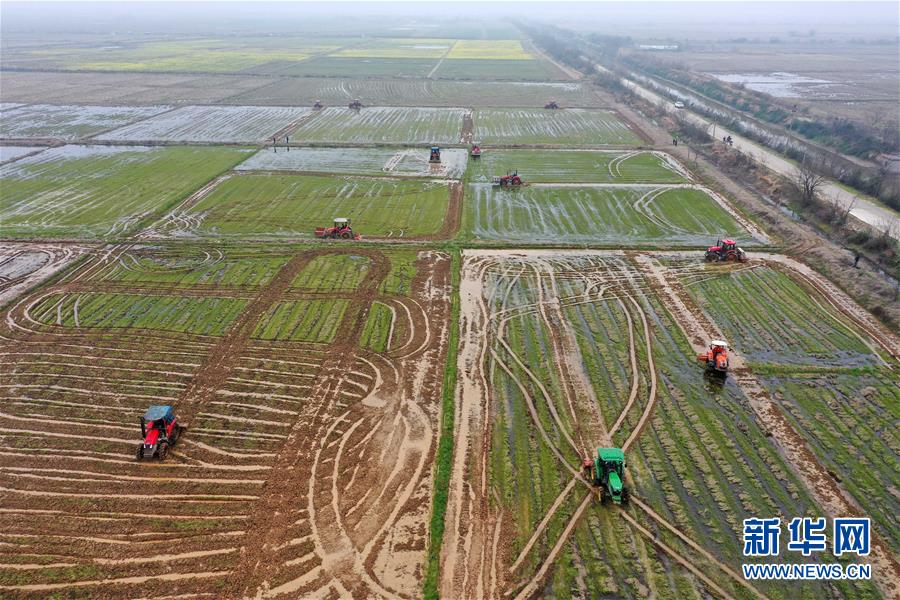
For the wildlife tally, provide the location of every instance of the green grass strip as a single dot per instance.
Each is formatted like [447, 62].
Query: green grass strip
[444, 461]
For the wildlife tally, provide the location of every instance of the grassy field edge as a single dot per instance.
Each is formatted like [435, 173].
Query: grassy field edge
[444, 458]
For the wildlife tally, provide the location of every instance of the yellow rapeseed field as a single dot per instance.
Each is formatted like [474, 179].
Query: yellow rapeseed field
[490, 49]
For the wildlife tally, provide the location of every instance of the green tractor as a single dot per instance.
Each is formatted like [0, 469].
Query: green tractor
[607, 472]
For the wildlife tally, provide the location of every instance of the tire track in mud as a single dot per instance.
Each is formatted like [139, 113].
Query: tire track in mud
[371, 451]
[276, 511]
[223, 357]
[827, 493]
[532, 586]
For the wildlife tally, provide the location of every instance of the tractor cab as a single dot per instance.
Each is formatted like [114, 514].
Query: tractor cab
[159, 430]
[435, 156]
[609, 474]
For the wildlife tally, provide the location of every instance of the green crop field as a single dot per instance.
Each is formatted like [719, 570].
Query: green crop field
[302, 321]
[833, 387]
[578, 166]
[377, 330]
[101, 191]
[203, 316]
[557, 127]
[292, 206]
[213, 55]
[392, 125]
[333, 273]
[607, 215]
[201, 268]
[791, 327]
[697, 444]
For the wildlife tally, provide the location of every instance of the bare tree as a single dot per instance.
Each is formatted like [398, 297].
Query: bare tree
[839, 212]
[808, 182]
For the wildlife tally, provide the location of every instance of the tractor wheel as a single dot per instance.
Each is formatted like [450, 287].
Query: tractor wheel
[624, 496]
[731, 257]
[710, 257]
[163, 451]
[140, 452]
[346, 235]
[176, 432]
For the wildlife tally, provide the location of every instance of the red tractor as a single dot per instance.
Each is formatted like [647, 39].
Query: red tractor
[160, 429]
[726, 250]
[552, 105]
[435, 156]
[340, 230]
[475, 152]
[508, 180]
[716, 357]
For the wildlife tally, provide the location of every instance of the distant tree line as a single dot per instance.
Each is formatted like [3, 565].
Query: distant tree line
[867, 141]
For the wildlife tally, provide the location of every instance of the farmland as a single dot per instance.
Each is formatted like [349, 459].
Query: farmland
[406, 414]
[554, 343]
[331, 86]
[198, 55]
[396, 162]
[558, 127]
[12, 152]
[242, 372]
[599, 214]
[70, 122]
[292, 206]
[830, 380]
[99, 191]
[384, 125]
[581, 166]
[211, 124]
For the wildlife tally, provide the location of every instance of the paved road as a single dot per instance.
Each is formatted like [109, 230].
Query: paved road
[865, 209]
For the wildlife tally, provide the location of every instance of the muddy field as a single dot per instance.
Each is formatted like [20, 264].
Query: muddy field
[395, 162]
[308, 464]
[405, 415]
[563, 352]
[251, 124]
[391, 125]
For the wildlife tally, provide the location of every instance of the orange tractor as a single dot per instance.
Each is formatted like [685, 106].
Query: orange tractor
[725, 250]
[716, 357]
[340, 230]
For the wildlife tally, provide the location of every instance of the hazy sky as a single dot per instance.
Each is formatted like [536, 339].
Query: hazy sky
[766, 18]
